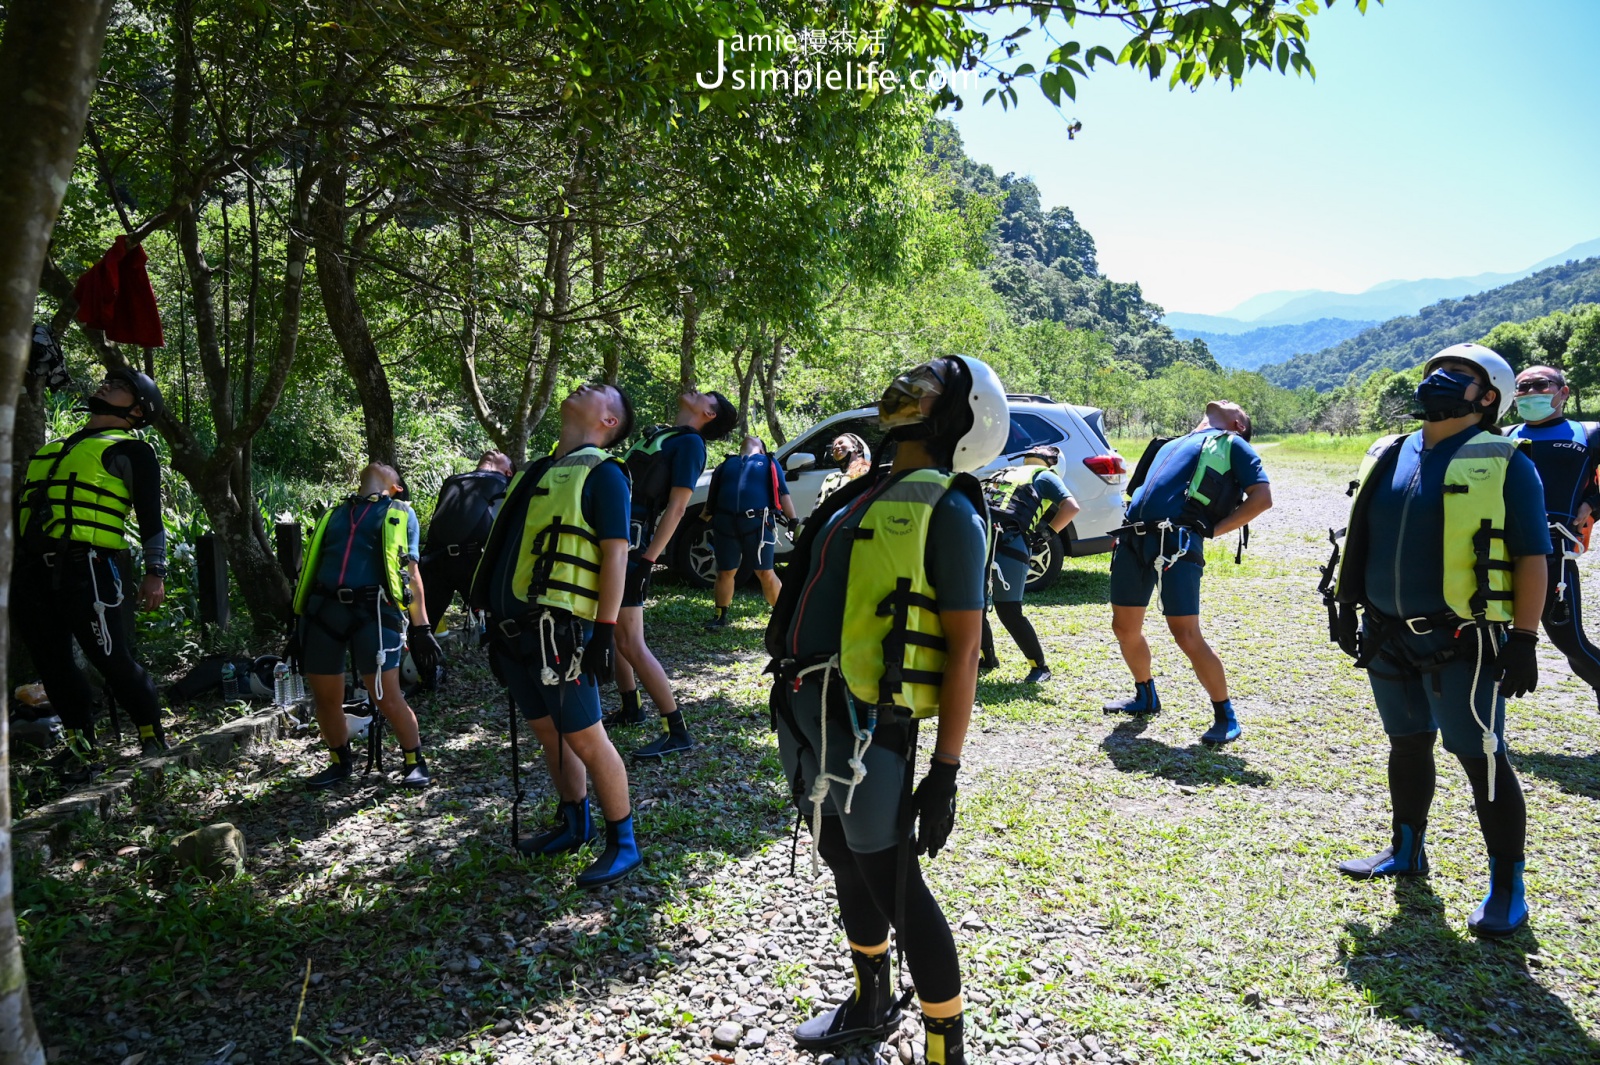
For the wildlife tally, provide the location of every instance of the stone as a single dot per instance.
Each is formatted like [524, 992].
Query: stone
[216, 852]
[727, 1034]
[1414, 1012]
[754, 1039]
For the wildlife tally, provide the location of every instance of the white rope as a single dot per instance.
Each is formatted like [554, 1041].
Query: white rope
[1491, 743]
[383, 652]
[575, 670]
[547, 676]
[102, 630]
[1567, 555]
[858, 769]
[1164, 560]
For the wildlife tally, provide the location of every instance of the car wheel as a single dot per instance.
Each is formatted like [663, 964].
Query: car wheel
[696, 560]
[1045, 552]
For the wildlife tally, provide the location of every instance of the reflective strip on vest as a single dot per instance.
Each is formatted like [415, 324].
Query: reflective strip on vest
[396, 546]
[892, 644]
[558, 556]
[1476, 564]
[70, 495]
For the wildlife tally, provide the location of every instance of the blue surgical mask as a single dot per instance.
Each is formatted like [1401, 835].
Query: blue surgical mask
[1536, 406]
[1443, 394]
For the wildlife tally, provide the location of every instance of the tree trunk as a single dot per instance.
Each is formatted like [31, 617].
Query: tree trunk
[559, 270]
[769, 389]
[49, 57]
[691, 329]
[746, 378]
[611, 342]
[336, 277]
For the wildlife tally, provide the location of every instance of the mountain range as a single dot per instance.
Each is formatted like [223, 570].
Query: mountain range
[1277, 326]
[1403, 342]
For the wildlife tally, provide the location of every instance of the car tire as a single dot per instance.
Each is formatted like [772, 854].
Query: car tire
[693, 558]
[1044, 565]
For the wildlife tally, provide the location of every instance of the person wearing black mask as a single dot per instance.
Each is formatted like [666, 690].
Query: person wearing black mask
[1437, 595]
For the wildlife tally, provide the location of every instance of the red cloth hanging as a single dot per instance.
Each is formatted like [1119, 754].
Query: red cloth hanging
[115, 296]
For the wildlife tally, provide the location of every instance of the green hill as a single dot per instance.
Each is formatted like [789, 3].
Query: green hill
[1401, 343]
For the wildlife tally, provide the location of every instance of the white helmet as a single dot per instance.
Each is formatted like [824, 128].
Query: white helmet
[980, 440]
[1501, 377]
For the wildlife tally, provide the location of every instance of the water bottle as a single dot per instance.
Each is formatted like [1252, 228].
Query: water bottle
[230, 684]
[280, 684]
[297, 687]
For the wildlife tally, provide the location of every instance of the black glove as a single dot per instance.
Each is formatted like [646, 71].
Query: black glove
[598, 652]
[292, 650]
[935, 804]
[636, 578]
[424, 651]
[1518, 664]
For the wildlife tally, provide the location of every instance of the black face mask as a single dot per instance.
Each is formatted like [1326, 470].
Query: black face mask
[1443, 395]
[96, 405]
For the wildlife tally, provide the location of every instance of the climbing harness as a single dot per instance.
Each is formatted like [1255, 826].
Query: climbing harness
[1163, 561]
[862, 738]
[102, 630]
[1571, 547]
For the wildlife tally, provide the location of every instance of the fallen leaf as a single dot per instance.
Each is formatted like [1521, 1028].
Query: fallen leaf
[123, 852]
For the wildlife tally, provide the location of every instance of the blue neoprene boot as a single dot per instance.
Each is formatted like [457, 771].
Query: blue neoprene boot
[576, 829]
[1505, 909]
[1224, 727]
[620, 857]
[1406, 855]
[1143, 701]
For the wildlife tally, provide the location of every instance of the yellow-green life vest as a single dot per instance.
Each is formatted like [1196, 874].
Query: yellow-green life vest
[892, 648]
[558, 556]
[396, 550]
[69, 494]
[1477, 565]
[1009, 505]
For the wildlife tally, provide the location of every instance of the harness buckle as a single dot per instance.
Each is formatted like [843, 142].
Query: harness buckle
[453, 550]
[1423, 626]
[48, 558]
[509, 628]
[346, 596]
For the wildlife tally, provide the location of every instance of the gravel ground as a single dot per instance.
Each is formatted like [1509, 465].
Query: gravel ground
[1120, 893]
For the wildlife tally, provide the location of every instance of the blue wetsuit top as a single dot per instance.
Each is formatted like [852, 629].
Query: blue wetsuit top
[352, 546]
[1406, 523]
[605, 507]
[744, 483]
[1165, 491]
[1566, 454]
[957, 548]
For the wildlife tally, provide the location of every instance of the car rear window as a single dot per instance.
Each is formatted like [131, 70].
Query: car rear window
[1031, 430]
[1096, 420]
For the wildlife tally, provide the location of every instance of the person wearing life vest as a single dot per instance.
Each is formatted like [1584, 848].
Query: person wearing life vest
[852, 458]
[1444, 561]
[71, 526]
[1567, 455]
[665, 466]
[357, 583]
[551, 582]
[460, 524]
[1206, 484]
[749, 495]
[1021, 499]
[876, 629]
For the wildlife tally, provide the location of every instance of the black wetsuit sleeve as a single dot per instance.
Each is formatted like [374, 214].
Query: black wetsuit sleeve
[1591, 491]
[135, 462]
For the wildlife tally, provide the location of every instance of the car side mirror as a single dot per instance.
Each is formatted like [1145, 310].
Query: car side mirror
[800, 460]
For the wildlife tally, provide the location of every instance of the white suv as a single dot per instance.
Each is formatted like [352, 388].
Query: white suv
[1090, 467]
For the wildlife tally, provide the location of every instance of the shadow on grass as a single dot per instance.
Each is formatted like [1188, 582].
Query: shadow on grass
[1075, 587]
[1479, 997]
[1195, 765]
[425, 927]
[1575, 774]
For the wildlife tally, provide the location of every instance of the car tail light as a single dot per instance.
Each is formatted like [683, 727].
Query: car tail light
[1108, 468]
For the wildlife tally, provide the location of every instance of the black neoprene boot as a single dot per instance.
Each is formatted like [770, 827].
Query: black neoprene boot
[337, 772]
[870, 1013]
[944, 1036]
[152, 741]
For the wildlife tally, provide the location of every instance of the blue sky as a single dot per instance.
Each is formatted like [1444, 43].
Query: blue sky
[1441, 138]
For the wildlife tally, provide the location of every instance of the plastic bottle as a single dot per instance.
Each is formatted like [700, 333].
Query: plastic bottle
[297, 687]
[280, 684]
[230, 683]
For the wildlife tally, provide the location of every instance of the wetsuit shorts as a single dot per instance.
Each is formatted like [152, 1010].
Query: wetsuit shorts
[1011, 562]
[734, 548]
[330, 627]
[1134, 565]
[1408, 703]
[574, 705]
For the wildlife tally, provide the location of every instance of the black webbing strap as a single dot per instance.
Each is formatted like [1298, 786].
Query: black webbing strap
[374, 738]
[547, 546]
[1482, 544]
[516, 769]
[897, 605]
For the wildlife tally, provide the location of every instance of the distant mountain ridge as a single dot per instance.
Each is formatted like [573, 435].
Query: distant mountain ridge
[1407, 340]
[1387, 299]
[1274, 343]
